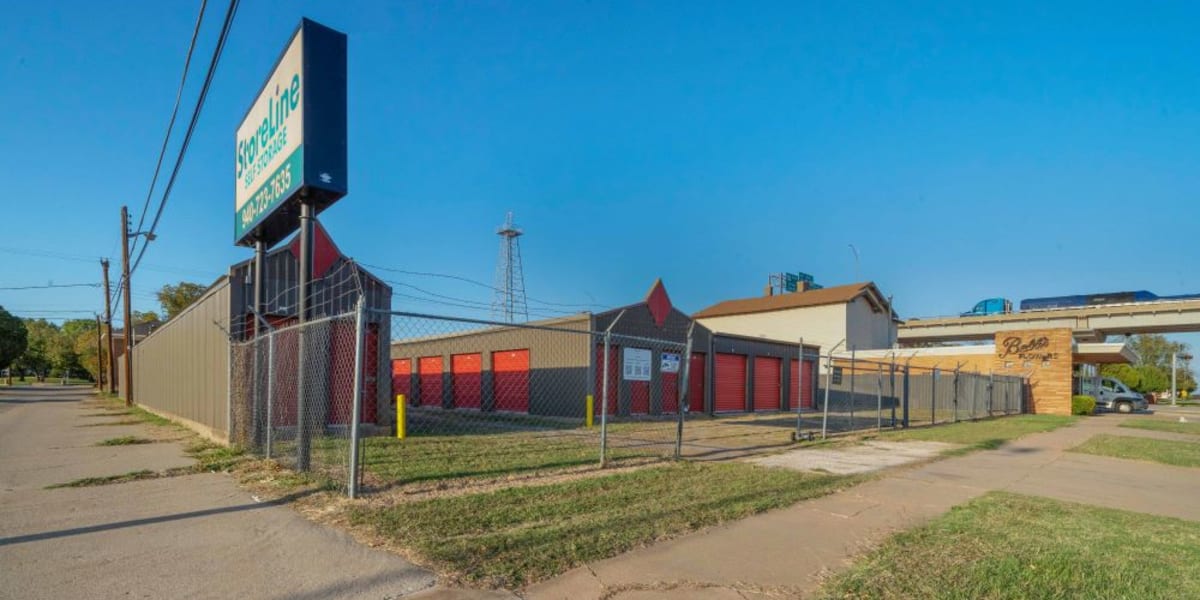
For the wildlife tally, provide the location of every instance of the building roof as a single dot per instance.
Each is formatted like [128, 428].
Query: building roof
[841, 294]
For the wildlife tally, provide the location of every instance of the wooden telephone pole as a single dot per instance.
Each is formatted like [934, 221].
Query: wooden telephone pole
[112, 357]
[127, 376]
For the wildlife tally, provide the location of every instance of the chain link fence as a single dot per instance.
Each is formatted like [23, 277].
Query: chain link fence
[858, 395]
[483, 400]
[475, 403]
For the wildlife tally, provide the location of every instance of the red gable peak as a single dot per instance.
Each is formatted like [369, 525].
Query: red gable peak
[658, 302]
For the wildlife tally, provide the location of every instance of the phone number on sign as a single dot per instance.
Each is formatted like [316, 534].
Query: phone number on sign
[267, 195]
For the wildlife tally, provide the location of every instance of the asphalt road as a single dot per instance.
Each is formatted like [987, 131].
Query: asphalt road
[197, 536]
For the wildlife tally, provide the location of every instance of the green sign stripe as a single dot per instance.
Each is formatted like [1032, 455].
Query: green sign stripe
[274, 191]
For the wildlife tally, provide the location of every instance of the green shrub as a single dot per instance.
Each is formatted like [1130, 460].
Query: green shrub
[1083, 405]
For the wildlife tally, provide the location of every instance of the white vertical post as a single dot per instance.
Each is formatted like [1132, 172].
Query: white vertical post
[356, 404]
[1174, 391]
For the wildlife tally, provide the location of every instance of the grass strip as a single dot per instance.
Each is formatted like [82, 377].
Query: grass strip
[437, 458]
[1167, 452]
[1167, 426]
[107, 479]
[125, 440]
[986, 434]
[518, 535]
[1008, 546]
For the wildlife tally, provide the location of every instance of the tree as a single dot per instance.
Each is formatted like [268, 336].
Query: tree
[1152, 371]
[175, 298]
[75, 350]
[143, 317]
[38, 355]
[13, 339]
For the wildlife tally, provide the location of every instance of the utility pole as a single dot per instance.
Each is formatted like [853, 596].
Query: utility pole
[99, 356]
[112, 362]
[128, 374]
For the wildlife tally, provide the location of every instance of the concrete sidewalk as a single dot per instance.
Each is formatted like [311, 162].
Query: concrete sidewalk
[785, 552]
[197, 536]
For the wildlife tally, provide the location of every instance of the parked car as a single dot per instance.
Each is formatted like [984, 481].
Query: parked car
[1116, 396]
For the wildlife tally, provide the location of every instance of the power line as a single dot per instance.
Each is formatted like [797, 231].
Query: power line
[51, 285]
[481, 284]
[187, 62]
[465, 303]
[187, 137]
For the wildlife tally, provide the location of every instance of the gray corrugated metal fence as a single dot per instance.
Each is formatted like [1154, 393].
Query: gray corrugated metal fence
[182, 369]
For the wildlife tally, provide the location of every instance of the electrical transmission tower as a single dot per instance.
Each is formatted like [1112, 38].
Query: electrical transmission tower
[509, 303]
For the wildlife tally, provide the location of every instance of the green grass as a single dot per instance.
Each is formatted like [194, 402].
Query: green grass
[1008, 546]
[1191, 428]
[522, 534]
[1167, 452]
[125, 440]
[107, 479]
[434, 458]
[982, 435]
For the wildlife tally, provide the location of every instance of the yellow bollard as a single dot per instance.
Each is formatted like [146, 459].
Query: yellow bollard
[401, 423]
[590, 405]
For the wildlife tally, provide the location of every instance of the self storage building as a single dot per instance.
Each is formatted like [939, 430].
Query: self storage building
[550, 367]
[197, 366]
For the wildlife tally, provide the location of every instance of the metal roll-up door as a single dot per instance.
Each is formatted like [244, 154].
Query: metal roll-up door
[510, 380]
[767, 382]
[429, 376]
[730, 385]
[466, 388]
[696, 379]
[401, 378]
[806, 384]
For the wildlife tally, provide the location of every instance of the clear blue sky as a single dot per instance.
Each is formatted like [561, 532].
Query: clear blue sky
[1019, 150]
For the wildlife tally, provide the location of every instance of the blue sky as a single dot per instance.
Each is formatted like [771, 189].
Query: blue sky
[966, 151]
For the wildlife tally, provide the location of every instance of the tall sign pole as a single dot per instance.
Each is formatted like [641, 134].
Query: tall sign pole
[127, 376]
[290, 163]
[112, 357]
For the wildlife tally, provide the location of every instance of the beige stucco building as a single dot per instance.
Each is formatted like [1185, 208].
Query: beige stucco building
[848, 316]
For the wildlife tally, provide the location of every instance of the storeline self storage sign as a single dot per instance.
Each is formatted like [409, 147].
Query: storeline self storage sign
[291, 145]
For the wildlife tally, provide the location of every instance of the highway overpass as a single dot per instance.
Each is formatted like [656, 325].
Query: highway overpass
[1089, 324]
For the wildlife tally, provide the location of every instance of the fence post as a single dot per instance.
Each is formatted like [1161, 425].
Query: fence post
[879, 400]
[799, 379]
[991, 389]
[933, 396]
[907, 371]
[356, 403]
[852, 371]
[892, 389]
[604, 406]
[955, 420]
[270, 390]
[828, 382]
[681, 396]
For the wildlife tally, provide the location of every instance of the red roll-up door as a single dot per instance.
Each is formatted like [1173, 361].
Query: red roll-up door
[800, 385]
[806, 384]
[402, 378]
[696, 379]
[429, 375]
[670, 392]
[341, 360]
[287, 377]
[614, 369]
[767, 382]
[510, 380]
[639, 397]
[730, 388]
[467, 386]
